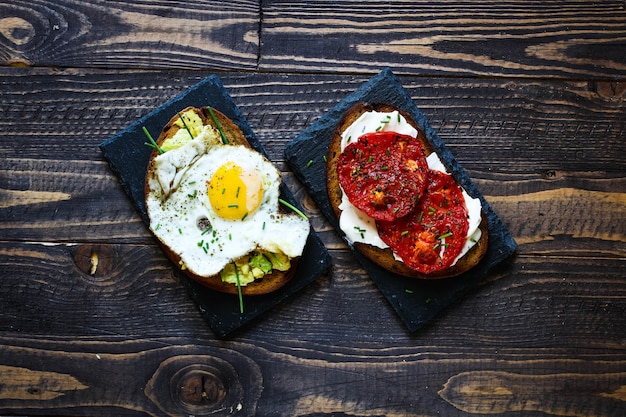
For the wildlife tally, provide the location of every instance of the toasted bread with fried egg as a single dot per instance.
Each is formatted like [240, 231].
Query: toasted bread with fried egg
[268, 283]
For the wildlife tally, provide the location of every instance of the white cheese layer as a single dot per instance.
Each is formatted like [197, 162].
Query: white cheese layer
[358, 226]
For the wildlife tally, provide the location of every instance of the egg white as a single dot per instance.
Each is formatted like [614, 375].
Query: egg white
[178, 202]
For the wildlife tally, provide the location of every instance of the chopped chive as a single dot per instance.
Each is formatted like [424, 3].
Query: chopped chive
[396, 210]
[398, 117]
[420, 217]
[295, 209]
[201, 243]
[408, 291]
[361, 231]
[308, 164]
[239, 290]
[182, 119]
[431, 210]
[233, 206]
[349, 139]
[223, 190]
[406, 232]
[205, 231]
[180, 231]
[237, 193]
[230, 236]
[379, 128]
[152, 143]
[444, 236]
[205, 250]
[244, 216]
[217, 124]
[324, 158]
[191, 182]
[263, 226]
[157, 227]
[370, 159]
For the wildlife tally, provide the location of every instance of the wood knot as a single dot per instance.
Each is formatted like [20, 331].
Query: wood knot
[17, 31]
[611, 91]
[202, 385]
[201, 388]
[94, 260]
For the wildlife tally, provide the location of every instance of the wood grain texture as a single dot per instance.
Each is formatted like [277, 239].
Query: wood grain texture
[574, 39]
[154, 34]
[529, 96]
[567, 187]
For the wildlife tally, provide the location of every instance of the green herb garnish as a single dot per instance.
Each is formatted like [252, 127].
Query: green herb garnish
[182, 119]
[292, 207]
[361, 231]
[152, 143]
[239, 290]
[217, 124]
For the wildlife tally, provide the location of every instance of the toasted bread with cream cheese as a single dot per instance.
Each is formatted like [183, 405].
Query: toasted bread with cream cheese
[385, 257]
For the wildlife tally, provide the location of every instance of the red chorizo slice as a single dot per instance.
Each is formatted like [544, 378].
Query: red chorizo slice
[433, 235]
[383, 174]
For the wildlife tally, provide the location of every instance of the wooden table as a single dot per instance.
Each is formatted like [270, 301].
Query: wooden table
[529, 96]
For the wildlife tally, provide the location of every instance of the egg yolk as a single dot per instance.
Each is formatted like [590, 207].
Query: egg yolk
[234, 193]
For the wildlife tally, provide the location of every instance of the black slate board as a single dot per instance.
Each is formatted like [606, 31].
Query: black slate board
[128, 158]
[415, 301]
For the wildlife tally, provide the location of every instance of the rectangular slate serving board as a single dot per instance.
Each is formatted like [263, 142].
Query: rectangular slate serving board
[415, 301]
[128, 158]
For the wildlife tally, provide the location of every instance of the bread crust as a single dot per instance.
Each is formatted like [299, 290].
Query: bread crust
[384, 257]
[270, 282]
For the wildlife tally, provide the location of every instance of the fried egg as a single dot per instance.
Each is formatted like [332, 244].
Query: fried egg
[214, 203]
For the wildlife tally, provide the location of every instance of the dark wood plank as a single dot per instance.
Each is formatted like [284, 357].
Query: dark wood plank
[547, 325]
[94, 291]
[454, 381]
[500, 351]
[568, 38]
[152, 34]
[557, 183]
[557, 39]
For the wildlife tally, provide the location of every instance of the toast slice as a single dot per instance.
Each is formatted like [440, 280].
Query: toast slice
[234, 136]
[385, 257]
